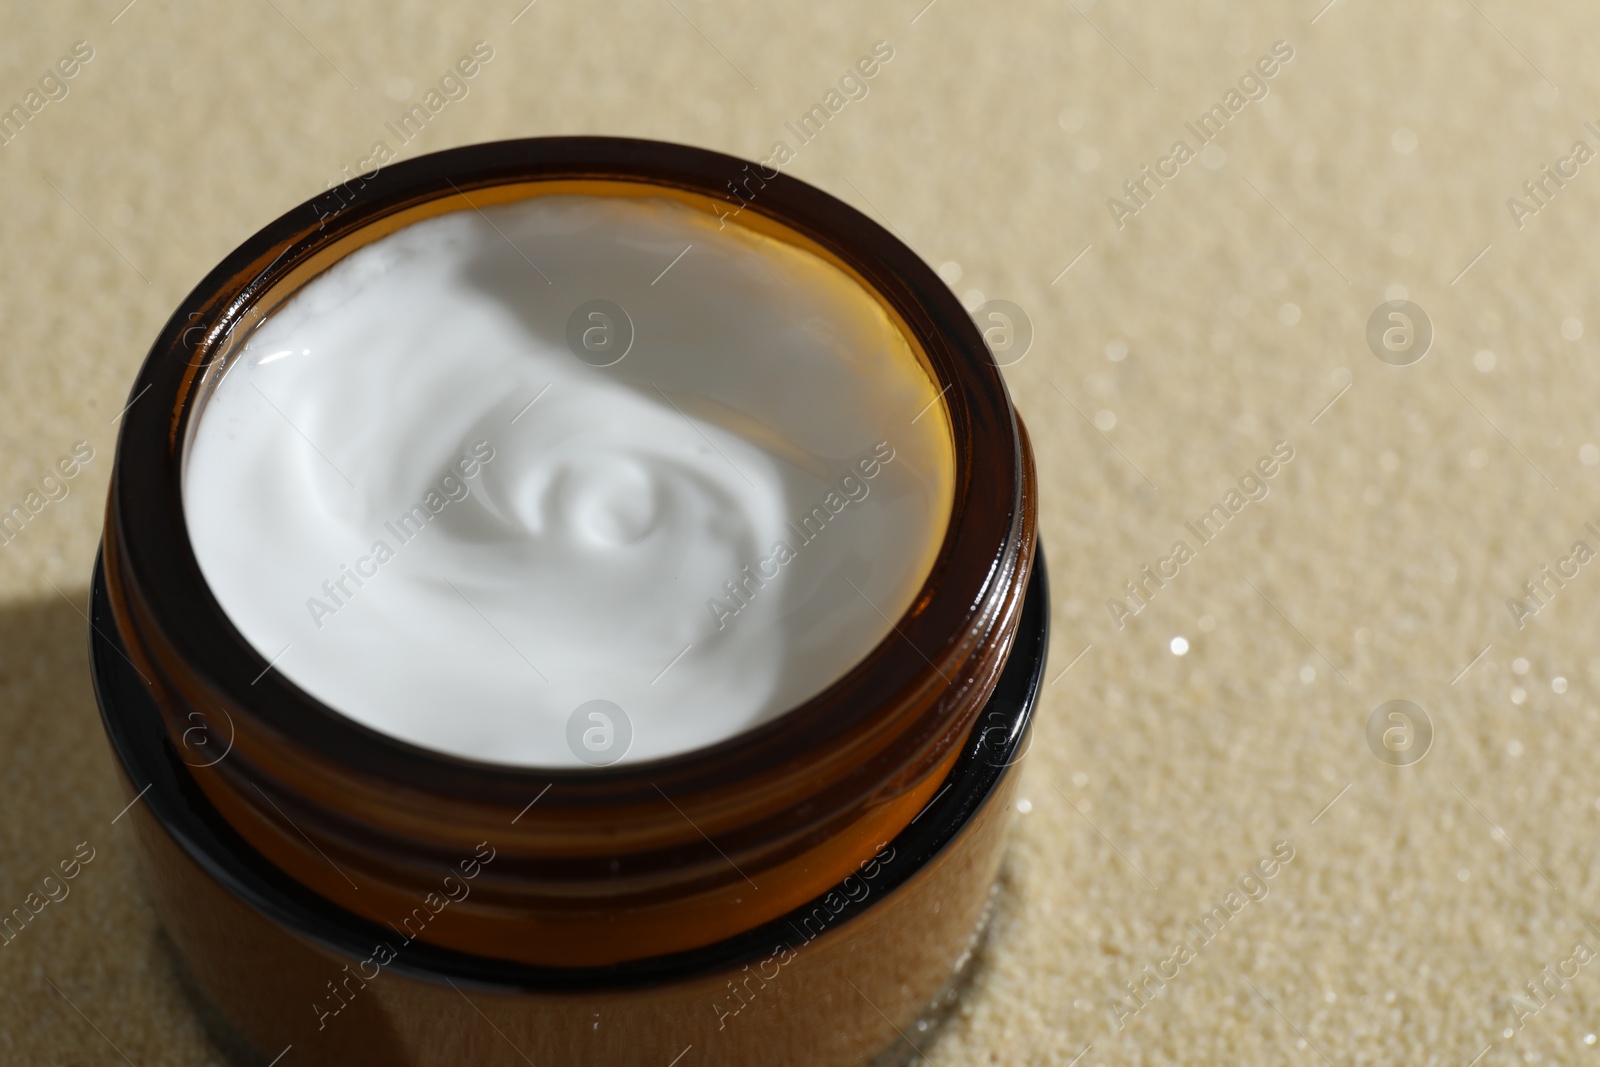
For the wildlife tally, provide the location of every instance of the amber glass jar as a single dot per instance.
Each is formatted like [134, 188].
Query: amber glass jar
[308, 839]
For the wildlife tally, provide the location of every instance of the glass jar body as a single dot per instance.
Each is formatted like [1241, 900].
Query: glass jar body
[590, 868]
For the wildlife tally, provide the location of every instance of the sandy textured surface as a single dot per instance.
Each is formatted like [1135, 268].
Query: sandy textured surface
[1226, 314]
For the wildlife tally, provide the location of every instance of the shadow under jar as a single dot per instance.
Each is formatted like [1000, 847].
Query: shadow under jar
[802, 892]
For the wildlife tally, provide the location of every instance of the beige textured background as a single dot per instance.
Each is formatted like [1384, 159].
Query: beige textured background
[1421, 900]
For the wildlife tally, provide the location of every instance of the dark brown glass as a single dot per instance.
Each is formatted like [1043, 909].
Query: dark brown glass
[613, 864]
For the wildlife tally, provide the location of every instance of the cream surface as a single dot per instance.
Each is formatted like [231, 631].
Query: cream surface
[439, 516]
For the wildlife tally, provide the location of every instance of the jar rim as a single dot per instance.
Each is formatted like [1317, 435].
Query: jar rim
[155, 553]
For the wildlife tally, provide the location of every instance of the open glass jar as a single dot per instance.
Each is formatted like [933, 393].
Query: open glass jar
[326, 883]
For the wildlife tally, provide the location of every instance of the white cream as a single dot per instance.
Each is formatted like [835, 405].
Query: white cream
[576, 531]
